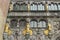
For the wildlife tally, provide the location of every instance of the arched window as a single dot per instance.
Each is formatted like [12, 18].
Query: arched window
[59, 6]
[23, 7]
[33, 7]
[22, 23]
[51, 6]
[33, 23]
[13, 23]
[42, 24]
[16, 6]
[40, 6]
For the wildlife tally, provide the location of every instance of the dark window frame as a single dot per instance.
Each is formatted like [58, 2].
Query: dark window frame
[13, 25]
[23, 21]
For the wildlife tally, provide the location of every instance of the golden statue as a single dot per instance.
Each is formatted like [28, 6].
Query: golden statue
[46, 32]
[6, 27]
[7, 30]
[27, 30]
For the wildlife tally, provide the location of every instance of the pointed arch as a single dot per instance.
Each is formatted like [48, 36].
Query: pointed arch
[16, 6]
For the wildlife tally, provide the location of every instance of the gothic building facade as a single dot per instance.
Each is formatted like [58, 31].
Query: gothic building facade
[39, 14]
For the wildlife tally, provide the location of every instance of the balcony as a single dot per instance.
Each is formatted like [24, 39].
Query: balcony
[32, 14]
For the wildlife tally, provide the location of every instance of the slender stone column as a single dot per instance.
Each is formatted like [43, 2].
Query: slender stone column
[3, 14]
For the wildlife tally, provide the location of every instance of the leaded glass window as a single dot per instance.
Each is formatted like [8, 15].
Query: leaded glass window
[42, 24]
[23, 7]
[52, 7]
[41, 7]
[33, 7]
[33, 24]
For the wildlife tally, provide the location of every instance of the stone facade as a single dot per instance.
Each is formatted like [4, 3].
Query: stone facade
[52, 18]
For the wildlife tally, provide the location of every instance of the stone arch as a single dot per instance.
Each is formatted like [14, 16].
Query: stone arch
[13, 23]
[22, 22]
